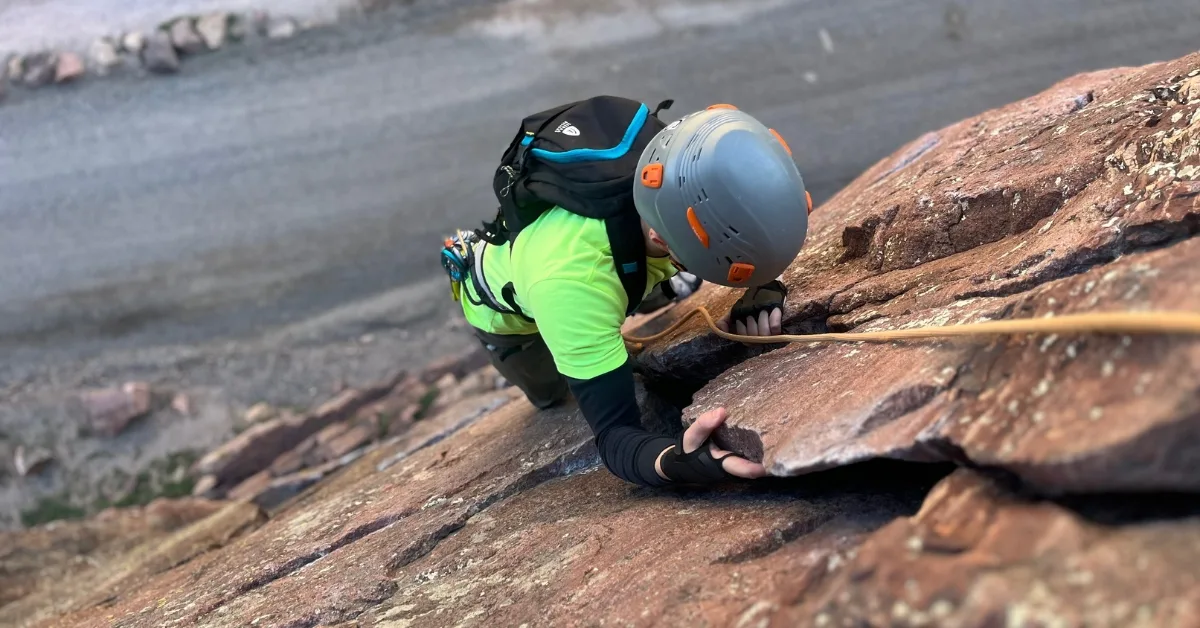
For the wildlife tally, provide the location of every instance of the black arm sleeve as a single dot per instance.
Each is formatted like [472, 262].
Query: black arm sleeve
[609, 404]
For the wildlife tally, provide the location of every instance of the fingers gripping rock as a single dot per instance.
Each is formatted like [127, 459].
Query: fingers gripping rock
[755, 301]
[697, 467]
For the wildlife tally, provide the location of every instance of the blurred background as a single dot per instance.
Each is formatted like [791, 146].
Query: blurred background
[264, 224]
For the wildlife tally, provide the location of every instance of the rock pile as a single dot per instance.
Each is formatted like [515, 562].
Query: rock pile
[159, 51]
[1020, 481]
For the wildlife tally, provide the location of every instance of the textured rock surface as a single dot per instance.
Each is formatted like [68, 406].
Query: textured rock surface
[65, 564]
[586, 550]
[976, 555]
[347, 538]
[1018, 213]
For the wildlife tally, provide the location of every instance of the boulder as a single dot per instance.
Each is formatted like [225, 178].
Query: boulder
[103, 55]
[184, 37]
[110, 410]
[133, 42]
[38, 69]
[1080, 199]
[159, 55]
[70, 66]
[213, 29]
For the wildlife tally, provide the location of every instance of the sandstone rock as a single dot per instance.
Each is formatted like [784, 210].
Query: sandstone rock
[159, 55]
[184, 37]
[103, 55]
[281, 28]
[976, 555]
[366, 526]
[256, 448]
[561, 553]
[133, 43]
[213, 29]
[45, 570]
[110, 410]
[70, 66]
[259, 412]
[31, 461]
[38, 69]
[1009, 215]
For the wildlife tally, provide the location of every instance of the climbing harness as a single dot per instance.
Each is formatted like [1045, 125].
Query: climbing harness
[456, 260]
[1164, 322]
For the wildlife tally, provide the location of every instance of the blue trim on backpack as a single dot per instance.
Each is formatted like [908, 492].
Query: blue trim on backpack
[592, 154]
[629, 267]
[527, 141]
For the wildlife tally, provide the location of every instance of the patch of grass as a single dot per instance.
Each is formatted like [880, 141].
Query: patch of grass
[160, 481]
[426, 402]
[51, 509]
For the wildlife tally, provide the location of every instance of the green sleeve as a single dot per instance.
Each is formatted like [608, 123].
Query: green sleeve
[581, 324]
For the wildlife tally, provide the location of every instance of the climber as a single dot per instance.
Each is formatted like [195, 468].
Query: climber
[654, 209]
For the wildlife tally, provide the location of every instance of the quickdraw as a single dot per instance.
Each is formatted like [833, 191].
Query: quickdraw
[456, 256]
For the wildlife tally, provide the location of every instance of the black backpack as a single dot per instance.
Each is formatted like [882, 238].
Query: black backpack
[580, 156]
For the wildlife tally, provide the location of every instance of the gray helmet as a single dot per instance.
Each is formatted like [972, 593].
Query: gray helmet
[723, 192]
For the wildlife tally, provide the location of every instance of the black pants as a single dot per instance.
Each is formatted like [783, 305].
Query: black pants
[527, 363]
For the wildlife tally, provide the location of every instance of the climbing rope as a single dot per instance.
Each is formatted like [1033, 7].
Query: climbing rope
[1098, 322]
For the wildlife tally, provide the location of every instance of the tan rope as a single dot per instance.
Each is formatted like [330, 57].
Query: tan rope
[1099, 322]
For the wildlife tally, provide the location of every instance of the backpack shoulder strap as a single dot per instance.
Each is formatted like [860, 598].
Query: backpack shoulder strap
[629, 255]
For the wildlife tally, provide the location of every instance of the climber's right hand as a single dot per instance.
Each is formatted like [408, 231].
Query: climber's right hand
[701, 461]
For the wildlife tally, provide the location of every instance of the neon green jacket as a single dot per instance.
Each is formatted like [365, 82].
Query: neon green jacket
[562, 273]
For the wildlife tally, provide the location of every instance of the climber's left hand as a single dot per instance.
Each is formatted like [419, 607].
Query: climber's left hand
[758, 313]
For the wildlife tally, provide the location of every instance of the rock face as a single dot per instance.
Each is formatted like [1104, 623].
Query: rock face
[1080, 199]
[1013, 481]
[975, 555]
[59, 566]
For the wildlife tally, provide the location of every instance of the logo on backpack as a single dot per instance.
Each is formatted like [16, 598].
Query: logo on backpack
[566, 128]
